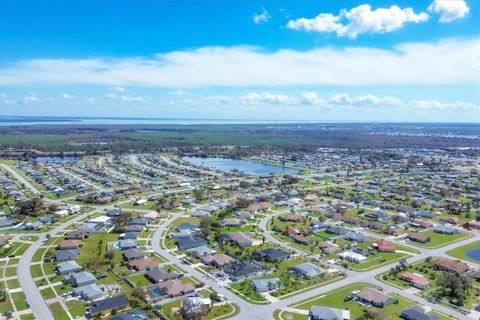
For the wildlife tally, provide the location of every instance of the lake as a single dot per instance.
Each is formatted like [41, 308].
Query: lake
[473, 253]
[58, 159]
[245, 166]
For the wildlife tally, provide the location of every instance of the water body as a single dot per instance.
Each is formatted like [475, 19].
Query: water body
[246, 166]
[473, 253]
[58, 159]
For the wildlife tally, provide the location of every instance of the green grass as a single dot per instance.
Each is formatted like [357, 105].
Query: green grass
[6, 306]
[10, 271]
[47, 293]
[13, 283]
[334, 299]
[167, 309]
[58, 311]
[226, 311]
[460, 251]
[76, 308]
[20, 300]
[140, 280]
[439, 240]
[36, 270]
[29, 316]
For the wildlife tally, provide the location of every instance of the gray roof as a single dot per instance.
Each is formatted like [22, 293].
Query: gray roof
[323, 313]
[108, 304]
[308, 269]
[68, 266]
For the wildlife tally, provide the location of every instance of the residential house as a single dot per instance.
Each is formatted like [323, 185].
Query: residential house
[241, 239]
[67, 267]
[105, 306]
[267, 284]
[190, 242]
[218, 260]
[325, 313]
[451, 266]
[416, 280]
[385, 246]
[70, 244]
[417, 313]
[443, 229]
[356, 236]
[156, 275]
[143, 264]
[374, 297]
[418, 237]
[272, 254]
[133, 254]
[307, 270]
[352, 256]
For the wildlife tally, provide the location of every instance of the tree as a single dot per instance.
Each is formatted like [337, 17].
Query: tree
[139, 293]
[206, 225]
[110, 255]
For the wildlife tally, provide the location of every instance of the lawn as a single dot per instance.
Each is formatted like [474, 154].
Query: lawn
[460, 251]
[36, 270]
[247, 292]
[47, 293]
[76, 308]
[225, 311]
[20, 300]
[334, 299]
[139, 280]
[5, 306]
[439, 240]
[10, 271]
[29, 316]
[58, 311]
[13, 283]
[167, 309]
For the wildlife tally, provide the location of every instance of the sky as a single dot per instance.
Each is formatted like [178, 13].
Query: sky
[316, 60]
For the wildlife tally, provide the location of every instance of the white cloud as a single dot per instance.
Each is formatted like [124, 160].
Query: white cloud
[444, 62]
[119, 89]
[449, 10]
[359, 20]
[262, 17]
[31, 97]
[268, 98]
[179, 93]
[433, 104]
[312, 98]
[113, 96]
[368, 100]
[66, 96]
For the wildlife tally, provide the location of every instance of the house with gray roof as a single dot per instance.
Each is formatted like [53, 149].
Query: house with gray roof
[307, 270]
[267, 284]
[89, 291]
[105, 306]
[64, 255]
[325, 313]
[82, 278]
[67, 267]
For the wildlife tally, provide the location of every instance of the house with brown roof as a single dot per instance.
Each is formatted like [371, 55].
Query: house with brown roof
[418, 237]
[416, 280]
[218, 260]
[374, 297]
[421, 223]
[143, 264]
[170, 289]
[300, 238]
[70, 244]
[399, 231]
[451, 266]
[329, 248]
[385, 246]
[474, 224]
[292, 217]
[290, 231]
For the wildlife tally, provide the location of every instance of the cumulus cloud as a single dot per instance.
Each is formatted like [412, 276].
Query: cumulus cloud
[113, 96]
[359, 20]
[449, 10]
[445, 62]
[268, 98]
[119, 89]
[368, 100]
[66, 96]
[311, 98]
[437, 105]
[261, 17]
[31, 97]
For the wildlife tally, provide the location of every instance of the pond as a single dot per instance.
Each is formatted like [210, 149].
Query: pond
[245, 166]
[57, 159]
[473, 253]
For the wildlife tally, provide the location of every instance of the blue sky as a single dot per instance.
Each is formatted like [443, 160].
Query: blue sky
[286, 60]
